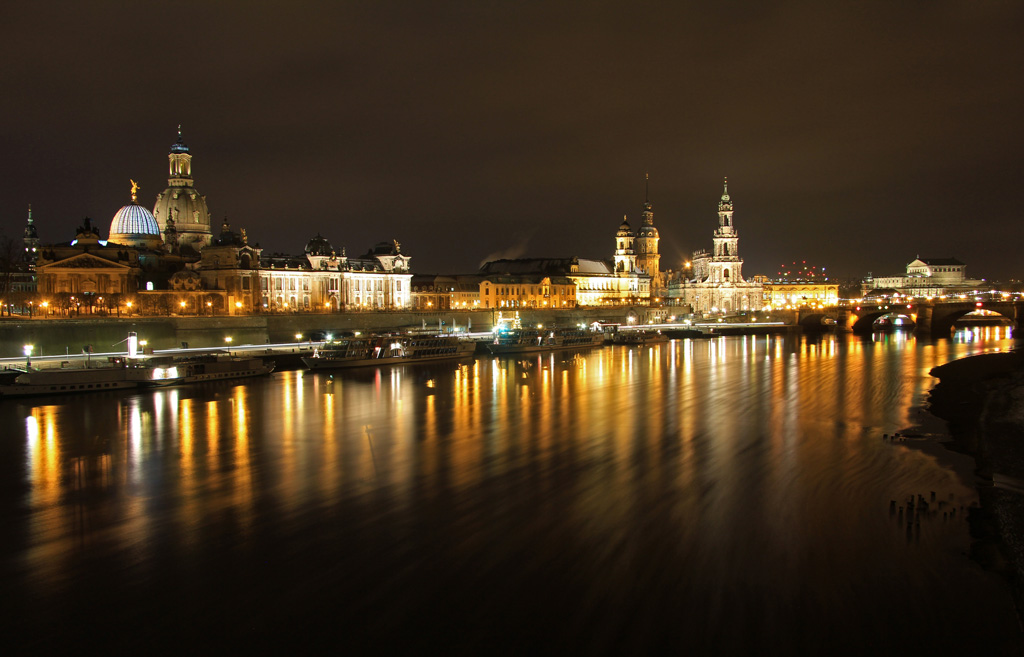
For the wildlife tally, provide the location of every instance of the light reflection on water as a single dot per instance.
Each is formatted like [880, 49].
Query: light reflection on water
[723, 495]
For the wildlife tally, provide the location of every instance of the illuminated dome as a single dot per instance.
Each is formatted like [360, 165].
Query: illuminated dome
[181, 202]
[134, 225]
[624, 229]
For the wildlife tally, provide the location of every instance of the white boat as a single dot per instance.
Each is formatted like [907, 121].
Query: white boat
[388, 350]
[118, 374]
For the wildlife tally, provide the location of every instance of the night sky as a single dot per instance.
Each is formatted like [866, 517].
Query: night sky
[855, 138]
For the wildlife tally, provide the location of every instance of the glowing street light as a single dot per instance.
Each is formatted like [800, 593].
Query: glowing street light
[227, 339]
[28, 355]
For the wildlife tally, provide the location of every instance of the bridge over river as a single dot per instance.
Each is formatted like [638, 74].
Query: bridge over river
[931, 317]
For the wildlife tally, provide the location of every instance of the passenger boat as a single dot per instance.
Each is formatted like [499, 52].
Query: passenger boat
[525, 341]
[118, 374]
[638, 338]
[218, 367]
[388, 350]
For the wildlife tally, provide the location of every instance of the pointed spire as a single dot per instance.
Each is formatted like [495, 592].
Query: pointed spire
[647, 188]
[179, 146]
[725, 205]
[30, 229]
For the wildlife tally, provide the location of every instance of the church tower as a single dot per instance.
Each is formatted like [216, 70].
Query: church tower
[725, 259]
[646, 242]
[181, 205]
[625, 257]
[31, 239]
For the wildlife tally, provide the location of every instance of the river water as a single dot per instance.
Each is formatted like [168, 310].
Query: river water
[726, 496]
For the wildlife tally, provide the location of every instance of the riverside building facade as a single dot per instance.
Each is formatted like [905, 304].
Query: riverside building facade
[171, 256]
[714, 282]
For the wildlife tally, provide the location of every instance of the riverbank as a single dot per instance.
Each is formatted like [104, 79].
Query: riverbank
[982, 400]
[70, 336]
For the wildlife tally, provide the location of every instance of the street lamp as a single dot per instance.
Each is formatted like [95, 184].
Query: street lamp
[28, 355]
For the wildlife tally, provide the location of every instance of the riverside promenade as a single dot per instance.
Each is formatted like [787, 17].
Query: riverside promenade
[70, 337]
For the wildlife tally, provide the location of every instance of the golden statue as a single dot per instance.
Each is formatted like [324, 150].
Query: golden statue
[135, 189]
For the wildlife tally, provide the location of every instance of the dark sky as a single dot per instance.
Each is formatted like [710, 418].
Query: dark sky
[854, 138]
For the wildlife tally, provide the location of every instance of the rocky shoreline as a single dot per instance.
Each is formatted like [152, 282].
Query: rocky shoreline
[982, 400]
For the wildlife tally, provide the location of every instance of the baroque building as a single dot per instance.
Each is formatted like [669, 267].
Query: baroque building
[168, 260]
[715, 281]
[180, 211]
[648, 259]
[88, 266]
[925, 277]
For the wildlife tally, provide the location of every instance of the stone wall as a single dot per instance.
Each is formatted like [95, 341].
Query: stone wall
[52, 336]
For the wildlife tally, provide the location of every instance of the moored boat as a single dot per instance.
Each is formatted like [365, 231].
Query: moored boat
[388, 350]
[638, 338]
[524, 341]
[218, 367]
[120, 374]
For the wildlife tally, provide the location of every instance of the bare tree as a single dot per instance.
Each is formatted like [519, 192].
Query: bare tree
[12, 262]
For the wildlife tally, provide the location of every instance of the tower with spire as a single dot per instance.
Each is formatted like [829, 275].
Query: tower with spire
[646, 243]
[726, 239]
[717, 284]
[181, 207]
[31, 239]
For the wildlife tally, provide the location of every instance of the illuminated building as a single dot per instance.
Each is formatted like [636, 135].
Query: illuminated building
[799, 284]
[633, 275]
[715, 281]
[645, 245]
[434, 292]
[780, 294]
[926, 277]
[170, 258]
[135, 226]
[527, 291]
[88, 265]
[595, 282]
[180, 211]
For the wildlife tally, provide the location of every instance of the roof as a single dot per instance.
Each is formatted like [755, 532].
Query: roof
[942, 262]
[133, 219]
[547, 267]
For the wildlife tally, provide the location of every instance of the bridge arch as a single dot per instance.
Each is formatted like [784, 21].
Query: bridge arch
[943, 320]
[862, 321]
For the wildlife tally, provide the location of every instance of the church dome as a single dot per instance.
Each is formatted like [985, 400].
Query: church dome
[624, 229]
[319, 246]
[181, 204]
[647, 231]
